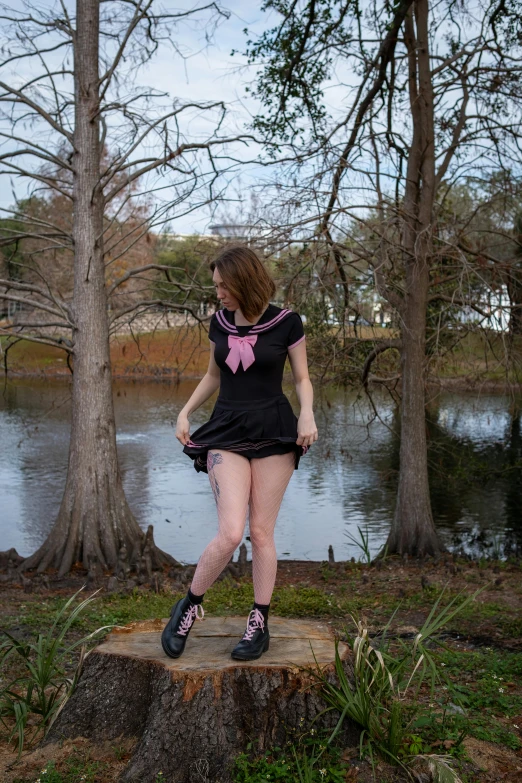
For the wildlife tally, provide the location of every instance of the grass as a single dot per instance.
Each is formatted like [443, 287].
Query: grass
[72, 770]
[224, 597]
[307, 758]
[383, 696]
[487, 685]
[506, 621]
[344, 592]
[467, 701]
[476, 353]
[33, 697]
[362, 541]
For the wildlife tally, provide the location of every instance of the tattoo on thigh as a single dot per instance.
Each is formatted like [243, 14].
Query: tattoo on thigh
[213, 459]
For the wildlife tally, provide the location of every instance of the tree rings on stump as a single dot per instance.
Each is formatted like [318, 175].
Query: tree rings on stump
[193, 715]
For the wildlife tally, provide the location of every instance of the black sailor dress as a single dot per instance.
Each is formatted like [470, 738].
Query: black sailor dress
[252, 416]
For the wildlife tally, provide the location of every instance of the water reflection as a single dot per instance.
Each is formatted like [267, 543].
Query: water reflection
[348, 478]
[475, 472]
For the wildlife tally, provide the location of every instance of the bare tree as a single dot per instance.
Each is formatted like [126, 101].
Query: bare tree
[423, 96]
[71, 106]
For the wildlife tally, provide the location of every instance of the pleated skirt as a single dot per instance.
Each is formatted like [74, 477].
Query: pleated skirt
[254, 428]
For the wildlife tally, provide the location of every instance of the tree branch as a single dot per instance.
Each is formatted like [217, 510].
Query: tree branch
[387, 293]
[59, 342]
[168, 158]
[455, 140]
[46, 294]
[385, 54]
[163, 268]
[21, 98]
[455, 300]
[381, 347]
[139, 14]
[31, 303]
[147, 303]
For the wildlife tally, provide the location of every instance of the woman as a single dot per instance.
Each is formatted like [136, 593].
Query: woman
[252, 442]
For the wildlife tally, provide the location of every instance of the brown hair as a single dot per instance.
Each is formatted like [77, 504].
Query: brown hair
[246, 278]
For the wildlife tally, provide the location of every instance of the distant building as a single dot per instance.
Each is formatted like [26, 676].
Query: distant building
[242, 232]
[171, 237]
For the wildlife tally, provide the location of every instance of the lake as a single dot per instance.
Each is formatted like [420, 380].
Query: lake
[347, 479]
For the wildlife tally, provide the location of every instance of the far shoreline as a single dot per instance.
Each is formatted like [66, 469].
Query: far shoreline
[179, 355]
[445, 384]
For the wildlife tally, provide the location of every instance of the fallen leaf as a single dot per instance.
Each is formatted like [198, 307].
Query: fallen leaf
[350, 753]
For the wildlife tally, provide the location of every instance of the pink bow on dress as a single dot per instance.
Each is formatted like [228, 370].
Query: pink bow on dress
[241, 351]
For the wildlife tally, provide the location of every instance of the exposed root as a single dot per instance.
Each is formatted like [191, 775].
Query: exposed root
[137, 554]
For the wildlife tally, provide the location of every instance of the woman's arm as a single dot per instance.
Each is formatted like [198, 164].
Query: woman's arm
[306, 428]
[205, 389]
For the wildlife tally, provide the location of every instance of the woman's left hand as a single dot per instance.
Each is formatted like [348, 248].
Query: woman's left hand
[306, 429]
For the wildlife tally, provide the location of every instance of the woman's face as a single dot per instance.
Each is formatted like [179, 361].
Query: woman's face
[223, 294]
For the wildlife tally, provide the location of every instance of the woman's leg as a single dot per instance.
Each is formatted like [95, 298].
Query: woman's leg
[270, 477]
[229, 475]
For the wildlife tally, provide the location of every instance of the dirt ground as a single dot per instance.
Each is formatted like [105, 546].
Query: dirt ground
[489, 763]
[332, 591]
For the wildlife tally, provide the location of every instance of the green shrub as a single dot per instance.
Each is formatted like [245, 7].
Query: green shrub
[383, 698]
[43, 687]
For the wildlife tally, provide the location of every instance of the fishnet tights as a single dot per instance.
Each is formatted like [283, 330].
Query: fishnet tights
[270, 477]
[238, 485]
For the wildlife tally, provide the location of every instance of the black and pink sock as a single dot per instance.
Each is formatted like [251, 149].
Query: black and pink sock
[195, 599]
[263, 608]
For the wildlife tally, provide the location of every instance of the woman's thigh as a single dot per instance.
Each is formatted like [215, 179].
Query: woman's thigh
[270, 477]
[230, 478]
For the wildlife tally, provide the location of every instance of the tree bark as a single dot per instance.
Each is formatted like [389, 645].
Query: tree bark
[514, 284]
[515, 318]
[94, 521]
[514, 288]
[413, 530]
[192, 716]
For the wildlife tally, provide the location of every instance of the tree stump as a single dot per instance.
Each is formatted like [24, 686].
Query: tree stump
[193, 715]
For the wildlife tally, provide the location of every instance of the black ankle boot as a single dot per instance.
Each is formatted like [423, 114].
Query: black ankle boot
[182, 617]
[255, 640]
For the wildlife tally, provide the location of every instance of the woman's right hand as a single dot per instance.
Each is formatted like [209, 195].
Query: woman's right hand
[183, 429]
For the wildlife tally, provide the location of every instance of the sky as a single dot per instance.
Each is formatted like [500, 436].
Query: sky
[210, 72]
[206, 72]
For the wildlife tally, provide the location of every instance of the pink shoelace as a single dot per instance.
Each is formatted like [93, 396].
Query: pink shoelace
[191, 614]
[255, 621]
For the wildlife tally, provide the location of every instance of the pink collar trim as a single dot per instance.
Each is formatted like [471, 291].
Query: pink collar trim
[257, 328]
[220, 316]
[279, 317]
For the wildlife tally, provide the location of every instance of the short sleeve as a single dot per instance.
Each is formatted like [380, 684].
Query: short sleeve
[212, 329]
[296, 333]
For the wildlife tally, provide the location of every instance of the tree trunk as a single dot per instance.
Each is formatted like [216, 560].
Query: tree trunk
[94, 521]
[514, 287]
[192, 716]
[413, 531]
[514, 284]
[515, 318]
